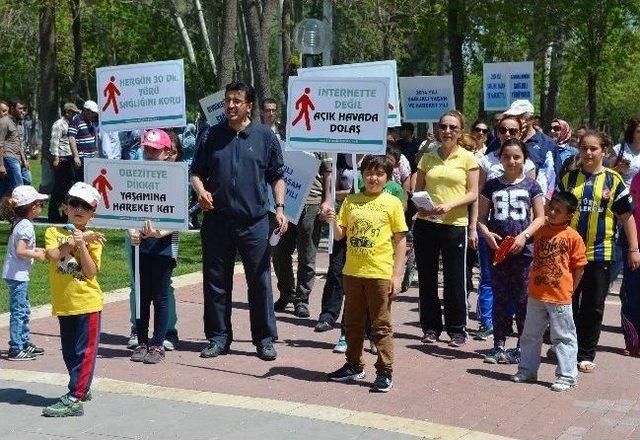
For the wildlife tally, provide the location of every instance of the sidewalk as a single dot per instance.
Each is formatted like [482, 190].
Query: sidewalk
[439, 392]
[110, 416]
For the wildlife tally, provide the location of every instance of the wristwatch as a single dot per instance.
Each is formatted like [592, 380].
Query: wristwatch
[279, 205]
[527, 235]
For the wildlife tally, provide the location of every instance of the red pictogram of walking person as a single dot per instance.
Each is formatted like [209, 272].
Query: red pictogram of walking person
[110, 92]
[304, 103]
[102, 184]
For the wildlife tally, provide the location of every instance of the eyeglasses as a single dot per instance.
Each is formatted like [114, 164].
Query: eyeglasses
[77, 203]
[481, 130]
[512, 131]
[269, 110]
[451, 127]
[556, 128]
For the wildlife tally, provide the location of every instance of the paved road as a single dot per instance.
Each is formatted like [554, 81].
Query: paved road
[439, 391]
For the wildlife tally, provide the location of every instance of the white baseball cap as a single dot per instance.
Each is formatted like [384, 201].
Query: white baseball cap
[90, 105]
[520, 107]
[25, 194]
[86, 192]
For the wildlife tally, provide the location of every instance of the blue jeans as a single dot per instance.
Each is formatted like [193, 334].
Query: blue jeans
[16, 175]
[484, 309]
[20, 311]
[171, 299]
[619, 254]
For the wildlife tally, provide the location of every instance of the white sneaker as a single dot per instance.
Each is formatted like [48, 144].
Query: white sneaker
[562, 386]
[341, 346]
[133, 340]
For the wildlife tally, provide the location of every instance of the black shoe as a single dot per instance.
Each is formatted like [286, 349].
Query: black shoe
[301, 310]
[322, 326]
[212, 350]
[383, 383]
[457, 340]
[280, 305]
[267, 352]
[483, 333]
[32, 348]
[345, 374]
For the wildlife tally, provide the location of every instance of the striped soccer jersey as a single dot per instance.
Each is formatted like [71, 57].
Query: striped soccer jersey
[601, 197]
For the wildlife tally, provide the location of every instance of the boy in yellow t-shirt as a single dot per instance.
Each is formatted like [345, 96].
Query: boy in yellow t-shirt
[373, 222]
[76, 298]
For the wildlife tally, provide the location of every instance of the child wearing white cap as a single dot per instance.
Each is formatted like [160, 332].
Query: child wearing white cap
[74, 255]
[24, 205]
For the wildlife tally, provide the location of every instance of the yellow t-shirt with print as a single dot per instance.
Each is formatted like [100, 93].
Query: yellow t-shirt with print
[71, 292]
[370, 222]
[446, 181]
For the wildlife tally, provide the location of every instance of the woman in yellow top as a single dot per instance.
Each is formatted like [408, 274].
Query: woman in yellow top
[449, 174]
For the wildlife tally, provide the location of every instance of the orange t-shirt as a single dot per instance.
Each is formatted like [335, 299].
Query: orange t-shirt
[557, 252]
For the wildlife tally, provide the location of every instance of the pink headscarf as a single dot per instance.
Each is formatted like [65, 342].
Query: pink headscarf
[565, 131]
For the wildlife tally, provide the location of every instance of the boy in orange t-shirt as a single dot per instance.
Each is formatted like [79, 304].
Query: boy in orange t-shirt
[558, 262]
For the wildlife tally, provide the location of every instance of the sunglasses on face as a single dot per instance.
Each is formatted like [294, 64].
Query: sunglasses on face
[77, 203]
[555, 128]
[481, 130]
[451, 127]
[511, 131]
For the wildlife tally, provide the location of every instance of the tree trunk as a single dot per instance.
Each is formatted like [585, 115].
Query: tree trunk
[245, 60]
[286, 54]
[186, 40]
[327, 17]
[229, 39]
[547, 56]
[205, 39]
[555, 75]
[269, 19]
[48, 87]
[455, 26]
[258, 51]
[77, 45]
[592, 100]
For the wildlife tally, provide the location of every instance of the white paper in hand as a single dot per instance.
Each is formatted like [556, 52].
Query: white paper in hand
[275, 237]
[422, 200]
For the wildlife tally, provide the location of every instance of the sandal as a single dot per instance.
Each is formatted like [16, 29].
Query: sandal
[586, 367]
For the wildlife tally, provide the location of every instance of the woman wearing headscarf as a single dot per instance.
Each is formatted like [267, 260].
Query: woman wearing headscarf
[561, 134]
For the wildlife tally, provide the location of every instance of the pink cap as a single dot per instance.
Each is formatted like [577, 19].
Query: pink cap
[155, 138]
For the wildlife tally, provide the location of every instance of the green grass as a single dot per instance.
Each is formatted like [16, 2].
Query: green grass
[114, 272]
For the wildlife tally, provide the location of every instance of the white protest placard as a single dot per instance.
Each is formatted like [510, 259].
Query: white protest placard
[300, 170]
[213, 107]
[147, 95]
[426, 98]
[337, 115]
[375, 69]
[135, 191]
[505, 83]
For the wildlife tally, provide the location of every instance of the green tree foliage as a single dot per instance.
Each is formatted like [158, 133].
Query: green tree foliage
[597, 37]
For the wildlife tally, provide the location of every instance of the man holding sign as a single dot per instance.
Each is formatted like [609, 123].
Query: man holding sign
[230, 174]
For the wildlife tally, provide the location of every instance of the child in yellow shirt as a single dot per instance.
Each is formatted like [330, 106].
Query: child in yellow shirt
[76, 298]
[373, 222]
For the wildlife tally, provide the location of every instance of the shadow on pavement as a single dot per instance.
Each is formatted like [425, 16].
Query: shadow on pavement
[611, 328]
[17, 396]
[308, 344]
[406, 298]
[306, 375]
[504, 377]
[305, 322]
[444, 352]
